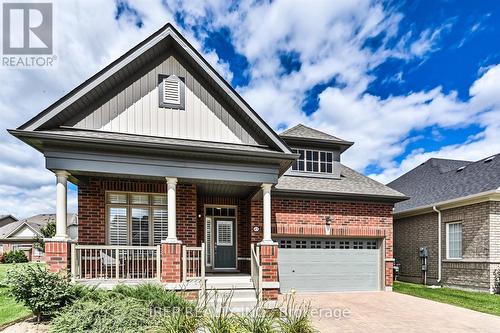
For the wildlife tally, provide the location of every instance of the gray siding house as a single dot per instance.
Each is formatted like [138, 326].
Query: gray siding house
[453, 211]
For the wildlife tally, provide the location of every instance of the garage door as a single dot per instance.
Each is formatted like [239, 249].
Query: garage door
[315, 265]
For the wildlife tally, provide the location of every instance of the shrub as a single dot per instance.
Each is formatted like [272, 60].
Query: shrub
[109, 315]
[258, 321]
[41, 291]
[496, 287]
[2, 258]
[14, 257]
[296, 317]
[179, 322]
[156, 296]
[219, 319]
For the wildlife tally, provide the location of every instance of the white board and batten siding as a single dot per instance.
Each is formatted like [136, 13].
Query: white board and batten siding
[136, 110]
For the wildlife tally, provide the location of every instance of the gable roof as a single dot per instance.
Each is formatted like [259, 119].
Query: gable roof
[134, 59]
[35, 223]
[351, 184]
[438, 180]
[303, 133]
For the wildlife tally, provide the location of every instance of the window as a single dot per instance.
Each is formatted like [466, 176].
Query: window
[171, 91]
[454, 240]
[315, 244]
[313, 161]
[136, 218]
[220, 211]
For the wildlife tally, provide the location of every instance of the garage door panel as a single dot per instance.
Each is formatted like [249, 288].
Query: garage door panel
[317, 269]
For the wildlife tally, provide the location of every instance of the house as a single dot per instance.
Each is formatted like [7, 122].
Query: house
[21, 235]
[178, 179]
[6, 219]
[454, 212]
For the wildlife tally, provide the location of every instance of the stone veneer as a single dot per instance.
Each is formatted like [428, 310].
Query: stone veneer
[480, 241]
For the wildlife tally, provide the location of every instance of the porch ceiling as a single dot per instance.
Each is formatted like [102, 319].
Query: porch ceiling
[224, 189]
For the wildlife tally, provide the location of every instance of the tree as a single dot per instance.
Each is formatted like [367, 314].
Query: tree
[47, 231]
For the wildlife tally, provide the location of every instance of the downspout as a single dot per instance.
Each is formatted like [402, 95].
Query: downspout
[439, 242]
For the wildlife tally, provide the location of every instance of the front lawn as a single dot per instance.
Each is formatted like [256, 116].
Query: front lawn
[482, 302]
[10, 310]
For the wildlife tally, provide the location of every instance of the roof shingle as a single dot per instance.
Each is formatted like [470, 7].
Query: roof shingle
[351, 183]
[439, 180]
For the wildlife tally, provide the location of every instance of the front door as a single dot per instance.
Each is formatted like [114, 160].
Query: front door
[225, 243]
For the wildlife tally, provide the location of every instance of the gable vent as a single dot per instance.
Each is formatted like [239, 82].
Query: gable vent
[171, 91]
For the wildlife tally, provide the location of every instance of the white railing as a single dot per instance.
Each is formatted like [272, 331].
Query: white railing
[193, 262]
[256, 270]
[96, 262]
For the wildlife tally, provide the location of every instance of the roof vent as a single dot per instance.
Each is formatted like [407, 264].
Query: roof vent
[461, 168]
[489, 159]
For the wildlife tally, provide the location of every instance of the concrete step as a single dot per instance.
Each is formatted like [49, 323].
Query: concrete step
[229, 282]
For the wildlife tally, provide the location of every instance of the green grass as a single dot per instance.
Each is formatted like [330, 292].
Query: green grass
[10, 310]
[482, 302]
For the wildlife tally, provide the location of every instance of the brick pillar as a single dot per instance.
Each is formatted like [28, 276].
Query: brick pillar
[389, 260]
[171, 261]
[57, 255]
[269, 262]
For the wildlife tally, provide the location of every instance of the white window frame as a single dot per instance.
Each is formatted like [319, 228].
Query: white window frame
[448, 241]
[319, 162]
[129, 206]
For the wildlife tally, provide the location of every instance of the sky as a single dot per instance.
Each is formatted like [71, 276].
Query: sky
[404, 80]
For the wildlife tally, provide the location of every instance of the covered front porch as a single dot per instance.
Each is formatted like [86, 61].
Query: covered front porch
[172, 231]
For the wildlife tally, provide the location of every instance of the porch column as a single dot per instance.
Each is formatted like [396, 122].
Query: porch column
[61, 204]
[266, 212]
[172, 214]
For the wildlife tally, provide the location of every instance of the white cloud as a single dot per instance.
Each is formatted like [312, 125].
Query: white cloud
[330, 38]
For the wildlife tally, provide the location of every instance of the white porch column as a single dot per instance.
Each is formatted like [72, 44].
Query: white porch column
[61, 204]
[172, 214]
[266, 212]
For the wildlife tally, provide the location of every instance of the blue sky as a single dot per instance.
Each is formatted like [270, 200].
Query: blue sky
[404, 80]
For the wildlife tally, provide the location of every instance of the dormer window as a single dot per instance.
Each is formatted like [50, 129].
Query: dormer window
[171, 91]
[313, 161]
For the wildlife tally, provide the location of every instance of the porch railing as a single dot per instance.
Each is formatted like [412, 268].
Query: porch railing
[94, 262]
[193, 262]
[256, 270]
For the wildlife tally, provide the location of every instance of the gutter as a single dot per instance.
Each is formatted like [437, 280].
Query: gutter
[439, 243]
[469, 199]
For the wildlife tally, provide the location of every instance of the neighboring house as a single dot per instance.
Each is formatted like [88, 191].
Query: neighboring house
[21, 235]
[167, 154]
[6, 219]
[462, 199]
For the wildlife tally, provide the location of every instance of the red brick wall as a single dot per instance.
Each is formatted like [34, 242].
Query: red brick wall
[300, 217]
[171, 262]
[92, 207]
[57, 256]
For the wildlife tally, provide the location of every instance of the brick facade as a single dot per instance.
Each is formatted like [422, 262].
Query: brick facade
[171, 262]
[269, 263]
[297, 217]
[57, 255]
[302, 217]
[92, 207]
[479, 248]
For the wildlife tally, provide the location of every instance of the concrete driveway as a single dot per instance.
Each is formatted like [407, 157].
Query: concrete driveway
[392, 312]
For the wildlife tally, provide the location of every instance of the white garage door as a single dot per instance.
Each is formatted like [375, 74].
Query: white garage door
[315, 265]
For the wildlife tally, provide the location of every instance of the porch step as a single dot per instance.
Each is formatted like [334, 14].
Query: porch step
[236, 289]
[229, 282]
[236, 301]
